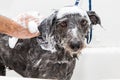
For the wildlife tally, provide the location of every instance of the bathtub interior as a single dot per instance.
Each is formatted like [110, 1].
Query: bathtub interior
[16, 78]
[98, 64]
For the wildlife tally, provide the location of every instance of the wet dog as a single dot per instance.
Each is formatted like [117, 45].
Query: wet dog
[52, 54]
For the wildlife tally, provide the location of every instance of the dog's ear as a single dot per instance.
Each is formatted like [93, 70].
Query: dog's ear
[94, 18]
[47, 24]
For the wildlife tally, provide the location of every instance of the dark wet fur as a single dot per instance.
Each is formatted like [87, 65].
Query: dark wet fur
[26, 54]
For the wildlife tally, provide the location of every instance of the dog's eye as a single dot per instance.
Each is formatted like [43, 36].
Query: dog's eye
[63, 24]
[83, 22]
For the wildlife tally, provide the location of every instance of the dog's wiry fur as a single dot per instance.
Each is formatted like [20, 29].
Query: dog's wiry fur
[52, 55]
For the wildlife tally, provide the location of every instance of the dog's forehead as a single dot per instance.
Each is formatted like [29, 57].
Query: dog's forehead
[70, 10]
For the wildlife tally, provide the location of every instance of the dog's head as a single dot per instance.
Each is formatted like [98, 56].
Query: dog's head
[66, 28]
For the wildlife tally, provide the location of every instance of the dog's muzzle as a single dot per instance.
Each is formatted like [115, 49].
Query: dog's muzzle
[75, 45]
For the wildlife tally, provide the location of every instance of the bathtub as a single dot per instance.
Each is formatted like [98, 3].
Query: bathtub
[16, 78]
[98, 64]
[94, 64]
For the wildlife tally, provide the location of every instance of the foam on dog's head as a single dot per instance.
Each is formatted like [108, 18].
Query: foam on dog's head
[71, 10]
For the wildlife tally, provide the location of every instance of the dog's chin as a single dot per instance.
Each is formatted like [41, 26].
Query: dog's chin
[72, 53]
[75, 54]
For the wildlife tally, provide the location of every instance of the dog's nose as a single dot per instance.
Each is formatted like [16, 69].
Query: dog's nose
[75, 45]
